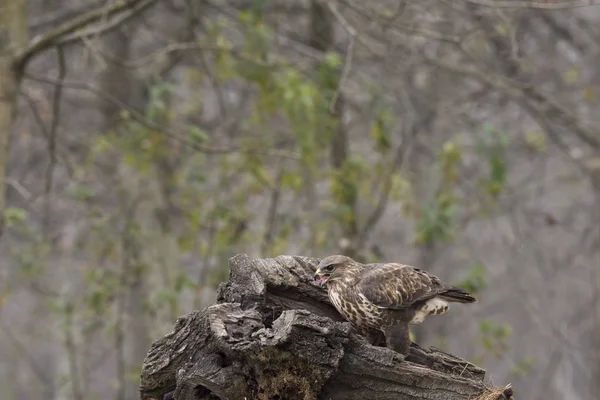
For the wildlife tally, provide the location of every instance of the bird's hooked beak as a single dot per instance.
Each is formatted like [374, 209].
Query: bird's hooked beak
[321, 277]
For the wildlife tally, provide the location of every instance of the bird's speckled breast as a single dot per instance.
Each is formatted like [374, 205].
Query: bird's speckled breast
[354, 308]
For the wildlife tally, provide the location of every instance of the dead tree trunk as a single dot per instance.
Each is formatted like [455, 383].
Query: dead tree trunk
[274, 335]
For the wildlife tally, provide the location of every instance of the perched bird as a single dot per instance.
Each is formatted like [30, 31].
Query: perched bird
[386, 297]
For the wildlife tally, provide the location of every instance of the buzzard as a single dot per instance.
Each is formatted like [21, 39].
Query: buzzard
[385, 297]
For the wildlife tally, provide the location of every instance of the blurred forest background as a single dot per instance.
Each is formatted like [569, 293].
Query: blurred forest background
[151, 140]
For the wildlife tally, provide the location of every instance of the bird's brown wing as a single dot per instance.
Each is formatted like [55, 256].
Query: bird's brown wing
[398, 286]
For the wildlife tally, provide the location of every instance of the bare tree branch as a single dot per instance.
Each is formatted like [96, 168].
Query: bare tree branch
[534, 4]
[178, 136]
[61, 150]
[62, 14]
[401, 154]
[42, 42]
[109, 25]
[517, 91]
[38, 371]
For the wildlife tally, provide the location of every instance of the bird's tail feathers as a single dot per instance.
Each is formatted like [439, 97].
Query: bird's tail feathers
[456, 294]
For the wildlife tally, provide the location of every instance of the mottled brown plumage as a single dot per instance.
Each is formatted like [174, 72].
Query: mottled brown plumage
[386, 297]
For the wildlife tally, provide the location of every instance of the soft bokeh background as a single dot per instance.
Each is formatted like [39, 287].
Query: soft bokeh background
[460, 136]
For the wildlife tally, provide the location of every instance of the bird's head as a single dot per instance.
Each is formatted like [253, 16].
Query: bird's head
[332, 268]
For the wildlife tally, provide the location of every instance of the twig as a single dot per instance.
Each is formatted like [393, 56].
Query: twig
[215, 86]
[524, 94]
[534, 4]
[170, 48]
[427, 33]
[543, 108]
[38, 371]
[40, 121]
[36, 113]
[363, 10]
[401, 154]
[42, 42]
[52, 18]
[138, 117]
[95, 53]
[192, 11]
[177, 47]
[72, 353]
[19, 188]
[110, 25]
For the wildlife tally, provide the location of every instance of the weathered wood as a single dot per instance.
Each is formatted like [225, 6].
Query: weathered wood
[274, 335]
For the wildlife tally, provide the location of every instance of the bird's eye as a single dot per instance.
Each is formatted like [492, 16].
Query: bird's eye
[328, 268]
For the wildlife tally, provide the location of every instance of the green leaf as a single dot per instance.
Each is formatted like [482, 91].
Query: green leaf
[14, 216]
[590, 95]
[81, 192]
[197, 134]
[436, 219]
[401, 189]
[333, 60]
[536, 139]
[381, 132]
[125, 115]
[572, 74]
[502, 28]
[182, 281]
[493, 337]
[186, 242]
[475, 281]
[293, 180]
[492, 145]
[523, 367]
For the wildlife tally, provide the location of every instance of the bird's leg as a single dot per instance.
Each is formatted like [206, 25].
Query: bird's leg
[374, 337]
[397, 338]
[370, 337]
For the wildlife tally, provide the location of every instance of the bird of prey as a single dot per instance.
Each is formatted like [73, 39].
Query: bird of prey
[386, 297]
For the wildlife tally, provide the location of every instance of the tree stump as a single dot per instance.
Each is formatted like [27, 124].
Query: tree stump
[273, 334]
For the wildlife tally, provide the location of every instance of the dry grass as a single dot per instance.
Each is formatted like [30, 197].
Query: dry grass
[506, 393]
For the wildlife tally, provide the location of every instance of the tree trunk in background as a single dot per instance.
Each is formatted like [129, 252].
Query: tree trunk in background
[136, 333]
[14, 34]
[119, 81]
[595, 176]
[114, 78]
[419, 164]
[322, 38]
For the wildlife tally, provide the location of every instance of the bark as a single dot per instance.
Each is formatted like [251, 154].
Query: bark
[274, 335]
[14, 34]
